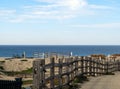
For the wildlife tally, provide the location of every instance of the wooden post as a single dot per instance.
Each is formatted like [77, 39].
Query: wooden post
[90, 66]
[97, 67]
[85, 65]
[100, 65]
[103, 66]
[82, 65]
[93, 67]
[76, 66]
[60, 73]
[107, 67]
[71, 67]
[118, 65]
[67, 71]
[111, 65]
[115, 63]
[52, 72]
[38, 74]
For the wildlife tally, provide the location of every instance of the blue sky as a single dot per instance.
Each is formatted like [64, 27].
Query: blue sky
[59, 22]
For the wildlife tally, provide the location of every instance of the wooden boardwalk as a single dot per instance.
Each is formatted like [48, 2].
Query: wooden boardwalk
[103, 82]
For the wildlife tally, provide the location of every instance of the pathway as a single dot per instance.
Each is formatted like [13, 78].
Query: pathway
[103, 82]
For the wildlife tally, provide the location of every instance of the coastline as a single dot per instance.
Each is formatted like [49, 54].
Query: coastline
[79, 50]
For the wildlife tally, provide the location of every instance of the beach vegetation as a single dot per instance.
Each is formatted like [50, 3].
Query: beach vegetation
[24, 72]
[28, 71]
[24, 60]
[115, 55]
[27, 82]
[98, 56]
[80, 79]
[2, 61]
[109, 73]
[1, 67]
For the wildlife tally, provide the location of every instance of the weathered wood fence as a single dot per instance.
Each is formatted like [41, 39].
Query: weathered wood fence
[62, 71]
[8, 84]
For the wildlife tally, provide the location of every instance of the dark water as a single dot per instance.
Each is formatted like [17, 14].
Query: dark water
[10, 50]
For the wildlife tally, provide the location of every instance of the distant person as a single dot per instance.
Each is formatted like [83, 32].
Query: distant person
[71, 53]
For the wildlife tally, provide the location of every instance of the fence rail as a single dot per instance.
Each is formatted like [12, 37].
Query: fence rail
[62, 71]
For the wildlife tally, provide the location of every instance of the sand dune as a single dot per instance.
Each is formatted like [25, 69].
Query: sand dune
[16, 64]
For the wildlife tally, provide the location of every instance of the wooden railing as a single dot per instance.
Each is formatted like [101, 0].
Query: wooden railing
[62, 71]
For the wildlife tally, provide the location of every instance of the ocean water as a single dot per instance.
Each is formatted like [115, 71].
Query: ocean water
[77, 50]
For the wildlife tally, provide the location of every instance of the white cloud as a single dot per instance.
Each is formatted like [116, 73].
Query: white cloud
[71, 4]
[55, 9]
[100, 7]
[106, 25]
[4, 12]
[17, 20]
[52, 9]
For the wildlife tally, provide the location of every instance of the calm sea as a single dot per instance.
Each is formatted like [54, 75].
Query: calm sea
[10, 50]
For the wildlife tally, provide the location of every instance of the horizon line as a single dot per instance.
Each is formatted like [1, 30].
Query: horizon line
[57, 45]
